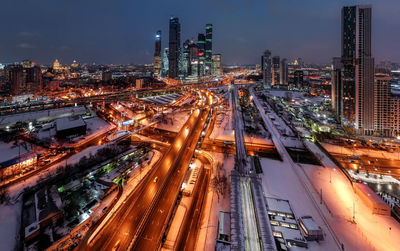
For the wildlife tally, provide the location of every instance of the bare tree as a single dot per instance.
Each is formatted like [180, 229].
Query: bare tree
[219, 184]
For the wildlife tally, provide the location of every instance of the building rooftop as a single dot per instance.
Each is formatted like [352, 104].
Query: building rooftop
[69, 122]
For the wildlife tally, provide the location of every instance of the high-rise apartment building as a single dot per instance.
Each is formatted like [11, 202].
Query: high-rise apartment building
[157, 54]
[357, 70]
[337, 87]
[216, 65]
[382, 103]
[276, 62]
[16, 79]
[298, 79]
[266, 69]
[174, 47]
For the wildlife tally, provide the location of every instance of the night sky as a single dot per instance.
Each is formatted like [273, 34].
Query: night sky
[122, 31]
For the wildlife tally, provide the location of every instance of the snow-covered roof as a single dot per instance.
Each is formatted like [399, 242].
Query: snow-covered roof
[69, 122]
[309, 223]
[278, 205]
[8, 151]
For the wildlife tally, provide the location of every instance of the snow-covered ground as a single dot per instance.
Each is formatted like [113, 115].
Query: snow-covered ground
[371, 179]
[371, 231]
[10, 221]
[174, 121]
[279, 181]
[95, 127]
[376, 231]
[209, 223]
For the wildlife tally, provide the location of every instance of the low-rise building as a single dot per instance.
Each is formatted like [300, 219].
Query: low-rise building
[68, 127]
[284, 224]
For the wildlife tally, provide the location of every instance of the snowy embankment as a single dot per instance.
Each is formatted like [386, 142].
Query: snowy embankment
[360, 151]
[10, 221]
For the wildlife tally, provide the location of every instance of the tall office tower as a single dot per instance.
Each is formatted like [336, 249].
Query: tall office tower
[165, 64]
[276, 62]
[194, 57]
[216, 65]
[16, 79]
[186, 59]
[382, 102]
[208, 49]
[298, 79]
[337, 87]
[174, 47]
[358, 68]
[157, 54]
[283, 72]
[201, 41]
[266, 69]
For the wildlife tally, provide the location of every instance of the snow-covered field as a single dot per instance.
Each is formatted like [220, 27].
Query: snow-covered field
[208, 229]
[174, 121]
[10, 221]
[279, 181]
[375, 231]
[371, 231]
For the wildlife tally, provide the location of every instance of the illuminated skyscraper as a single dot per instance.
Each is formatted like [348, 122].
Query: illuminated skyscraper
[157, 54]
[174, 47]
[186, 58]
[283, 72]
[298, 79]
[266, 69]
[337, 87]
[357, 70]
[201, 42]
[165, 64]
[216, 68]
[208, 49]
[276, 62]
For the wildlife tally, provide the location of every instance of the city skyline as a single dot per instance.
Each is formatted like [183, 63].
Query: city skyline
[66, 31]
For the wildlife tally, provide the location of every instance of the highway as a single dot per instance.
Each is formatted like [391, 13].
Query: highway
[153, 230]
[370, 164]
[131, 222]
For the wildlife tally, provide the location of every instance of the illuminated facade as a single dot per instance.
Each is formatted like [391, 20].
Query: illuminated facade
[357, 70]
[18, 165]
[201, 42]
[283, 72]
[208, 49]
[216, 68]
[165, 65]
[266, 69]
[157, 54]
[276, 62]
[382, 111]
[174, 47]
